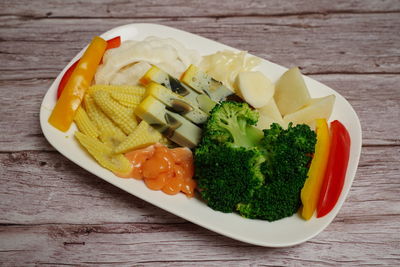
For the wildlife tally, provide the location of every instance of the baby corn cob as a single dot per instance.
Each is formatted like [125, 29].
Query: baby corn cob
[126, 89]
[128, 100]
[109, 132]
[122, 116]
[84, 123]
[104, 154]
[143, 135]
[165, 141]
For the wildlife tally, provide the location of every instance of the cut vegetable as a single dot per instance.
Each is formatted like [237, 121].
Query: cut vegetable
[143, 135]
[318, 108]
[122, 116]
[112, 43]
[85, 125]
[72, 95]
[124, 89]
[312, 187]
[104, 154]
[65, 78]
[131, 74]
[255, 88]
[128, 100]
[335, 173]
[291, 92]
[268, 115]
[110, 134]
[166, 53]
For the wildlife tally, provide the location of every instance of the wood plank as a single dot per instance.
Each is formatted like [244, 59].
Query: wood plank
[56, 190]
[189, 245]
[176, 8]
[334, 43]
[373, 97]
[132, 234]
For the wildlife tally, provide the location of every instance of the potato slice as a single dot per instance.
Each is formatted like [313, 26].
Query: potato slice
[318, 108]
[268, 115]
[255, 88]
[291, 92]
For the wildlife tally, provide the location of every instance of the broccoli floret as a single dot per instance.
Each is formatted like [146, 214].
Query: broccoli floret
[259, 174]
[227, 162]
[227, 174]
[231, 122]
[287, 153]
[273, 201]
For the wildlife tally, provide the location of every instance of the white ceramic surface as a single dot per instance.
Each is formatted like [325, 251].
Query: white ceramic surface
[286, 232]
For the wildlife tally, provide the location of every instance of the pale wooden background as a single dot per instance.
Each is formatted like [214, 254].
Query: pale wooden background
[52, 212]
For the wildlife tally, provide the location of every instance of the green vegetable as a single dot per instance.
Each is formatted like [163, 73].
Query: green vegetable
[285, 170]
[232, 122]
[238, 168]
[230, 179]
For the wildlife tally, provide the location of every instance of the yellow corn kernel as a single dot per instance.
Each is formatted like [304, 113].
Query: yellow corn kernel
[85, 125]
[97, 115]
[104, 154]
[126, 89]
[143, 135]
[128, 100]
[109, 133]
[111, 138]
[122, 116]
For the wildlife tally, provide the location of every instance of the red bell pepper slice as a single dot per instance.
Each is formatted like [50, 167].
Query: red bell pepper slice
[65, 78]
[112, 43]
[335, 173]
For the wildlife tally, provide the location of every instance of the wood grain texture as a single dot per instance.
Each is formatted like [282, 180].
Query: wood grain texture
[332, 43]
[179, 8]
[54, 213]
[186, 245]
[55, 190]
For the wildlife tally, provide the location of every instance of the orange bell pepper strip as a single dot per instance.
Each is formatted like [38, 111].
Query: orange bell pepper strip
[81, 78]
[112, 43]
[312, 187]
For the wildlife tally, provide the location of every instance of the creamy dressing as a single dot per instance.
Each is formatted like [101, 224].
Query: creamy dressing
[225, 65]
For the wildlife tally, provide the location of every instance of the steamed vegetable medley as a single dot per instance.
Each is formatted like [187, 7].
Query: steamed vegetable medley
[156, 111]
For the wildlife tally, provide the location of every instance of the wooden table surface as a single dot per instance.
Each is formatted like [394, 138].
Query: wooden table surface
[52, 212]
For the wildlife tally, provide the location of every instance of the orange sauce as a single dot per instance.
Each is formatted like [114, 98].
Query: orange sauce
[161, 168]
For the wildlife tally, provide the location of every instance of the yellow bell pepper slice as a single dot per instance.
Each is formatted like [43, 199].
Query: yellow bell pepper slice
[81, 78]
[312, 187]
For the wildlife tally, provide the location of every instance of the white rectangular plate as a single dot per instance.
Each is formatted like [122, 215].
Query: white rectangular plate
[286, 232]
